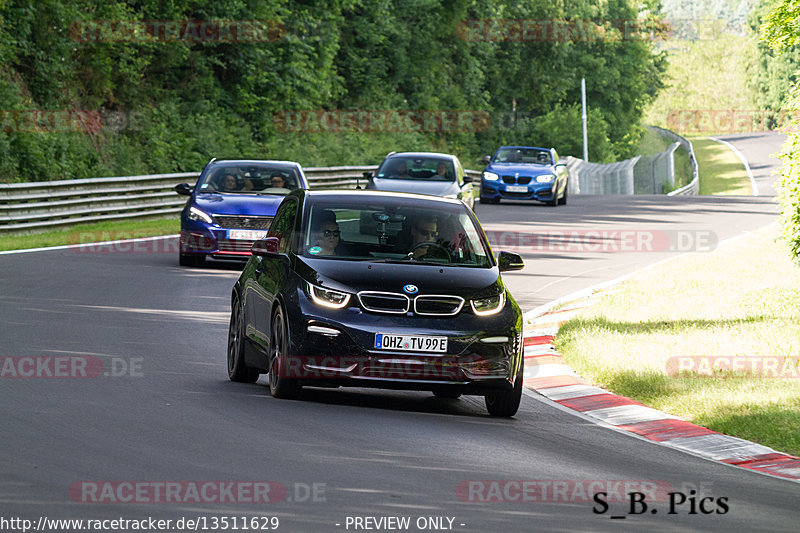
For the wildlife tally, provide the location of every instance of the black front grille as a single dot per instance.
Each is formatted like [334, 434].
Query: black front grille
[507, 194]
[438, 305]
[524, 180]
[384, 302]
[509, 179]
[243, 222]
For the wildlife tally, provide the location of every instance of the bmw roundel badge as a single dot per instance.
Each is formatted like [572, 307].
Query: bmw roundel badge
[410, 289]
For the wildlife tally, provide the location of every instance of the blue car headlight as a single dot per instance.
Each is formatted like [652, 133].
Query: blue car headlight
[328, 297]
[197, 214]
[488, 306]
[545, 178]
[490, 176]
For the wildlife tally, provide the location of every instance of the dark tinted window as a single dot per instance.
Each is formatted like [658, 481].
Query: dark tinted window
[254, 178]
[418, 168]
[283, 224]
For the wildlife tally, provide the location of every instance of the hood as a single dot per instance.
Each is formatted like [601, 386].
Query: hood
[354, 276]
[238, 204]
[433, 188]
[523, 170]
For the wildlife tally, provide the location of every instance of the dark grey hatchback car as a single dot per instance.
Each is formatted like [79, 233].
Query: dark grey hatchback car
[413, 300]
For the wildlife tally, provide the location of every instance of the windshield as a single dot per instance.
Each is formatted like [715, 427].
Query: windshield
[237, 178]
[524, 156]
[437, 234]
[417, 168]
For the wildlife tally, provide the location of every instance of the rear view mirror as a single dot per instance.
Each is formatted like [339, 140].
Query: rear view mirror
[184, 189]
[467, 179]
[487, 159]
[508, 261]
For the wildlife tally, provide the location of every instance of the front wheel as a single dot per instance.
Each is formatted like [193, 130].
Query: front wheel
[237, 369]
[280, 386]
[563, 200]
[506, 404]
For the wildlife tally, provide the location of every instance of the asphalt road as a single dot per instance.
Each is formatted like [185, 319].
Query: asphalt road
[167, 413]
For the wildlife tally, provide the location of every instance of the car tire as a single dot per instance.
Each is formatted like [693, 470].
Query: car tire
[445, 395]
[280, 386]
[506, 404]
[191, 260]
[563, 200]
[237, 369]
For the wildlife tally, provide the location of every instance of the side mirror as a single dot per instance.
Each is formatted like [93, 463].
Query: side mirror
[184, 189]
[367, 175]
[467, 179]
[508, 261]
[487, 159]
[266, 247]
[561, 164]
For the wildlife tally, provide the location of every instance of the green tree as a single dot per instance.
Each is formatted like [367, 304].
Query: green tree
[782, 32]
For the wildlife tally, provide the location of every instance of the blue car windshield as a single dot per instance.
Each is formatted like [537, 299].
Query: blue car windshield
[417, 168]
[240, 178]
[523, 156]
[430, 233]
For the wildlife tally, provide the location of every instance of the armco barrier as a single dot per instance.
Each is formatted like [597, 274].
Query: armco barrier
[41, 206]
[693, 187]
[647, 174]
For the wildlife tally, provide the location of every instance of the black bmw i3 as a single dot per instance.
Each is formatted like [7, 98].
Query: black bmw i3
[413, 299]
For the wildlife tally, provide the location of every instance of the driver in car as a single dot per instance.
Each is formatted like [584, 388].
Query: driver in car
[423, 230]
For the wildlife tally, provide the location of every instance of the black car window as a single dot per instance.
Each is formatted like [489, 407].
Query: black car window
[417, 168]
[524, 156]
[283, 224]
[251, 178]
[390, 232]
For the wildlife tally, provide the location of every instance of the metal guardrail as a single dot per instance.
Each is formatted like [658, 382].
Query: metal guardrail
[638, 175]
[46, 205]
[693, 187]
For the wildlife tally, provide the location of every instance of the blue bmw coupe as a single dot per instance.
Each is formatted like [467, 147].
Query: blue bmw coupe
[524, 173]
[232, 205]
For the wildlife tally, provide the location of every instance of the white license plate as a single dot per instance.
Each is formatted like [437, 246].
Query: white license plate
[410, 343]
[246, 234]
[516, 188]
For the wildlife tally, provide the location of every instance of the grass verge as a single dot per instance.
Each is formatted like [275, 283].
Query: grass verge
[101, 231]
[740, 302]
[721, 172]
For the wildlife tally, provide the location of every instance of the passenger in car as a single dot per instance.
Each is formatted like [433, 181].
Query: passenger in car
[441, 171]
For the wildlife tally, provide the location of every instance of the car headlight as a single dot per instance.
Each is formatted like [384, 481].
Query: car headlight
[197, 214]
[490, 176]
[328, 297]
[545, 178]
[488, 306]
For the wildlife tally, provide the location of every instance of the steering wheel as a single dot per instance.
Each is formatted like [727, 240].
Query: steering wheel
[431, 246]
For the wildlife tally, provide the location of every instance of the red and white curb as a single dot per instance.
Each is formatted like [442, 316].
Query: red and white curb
[548, 374]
